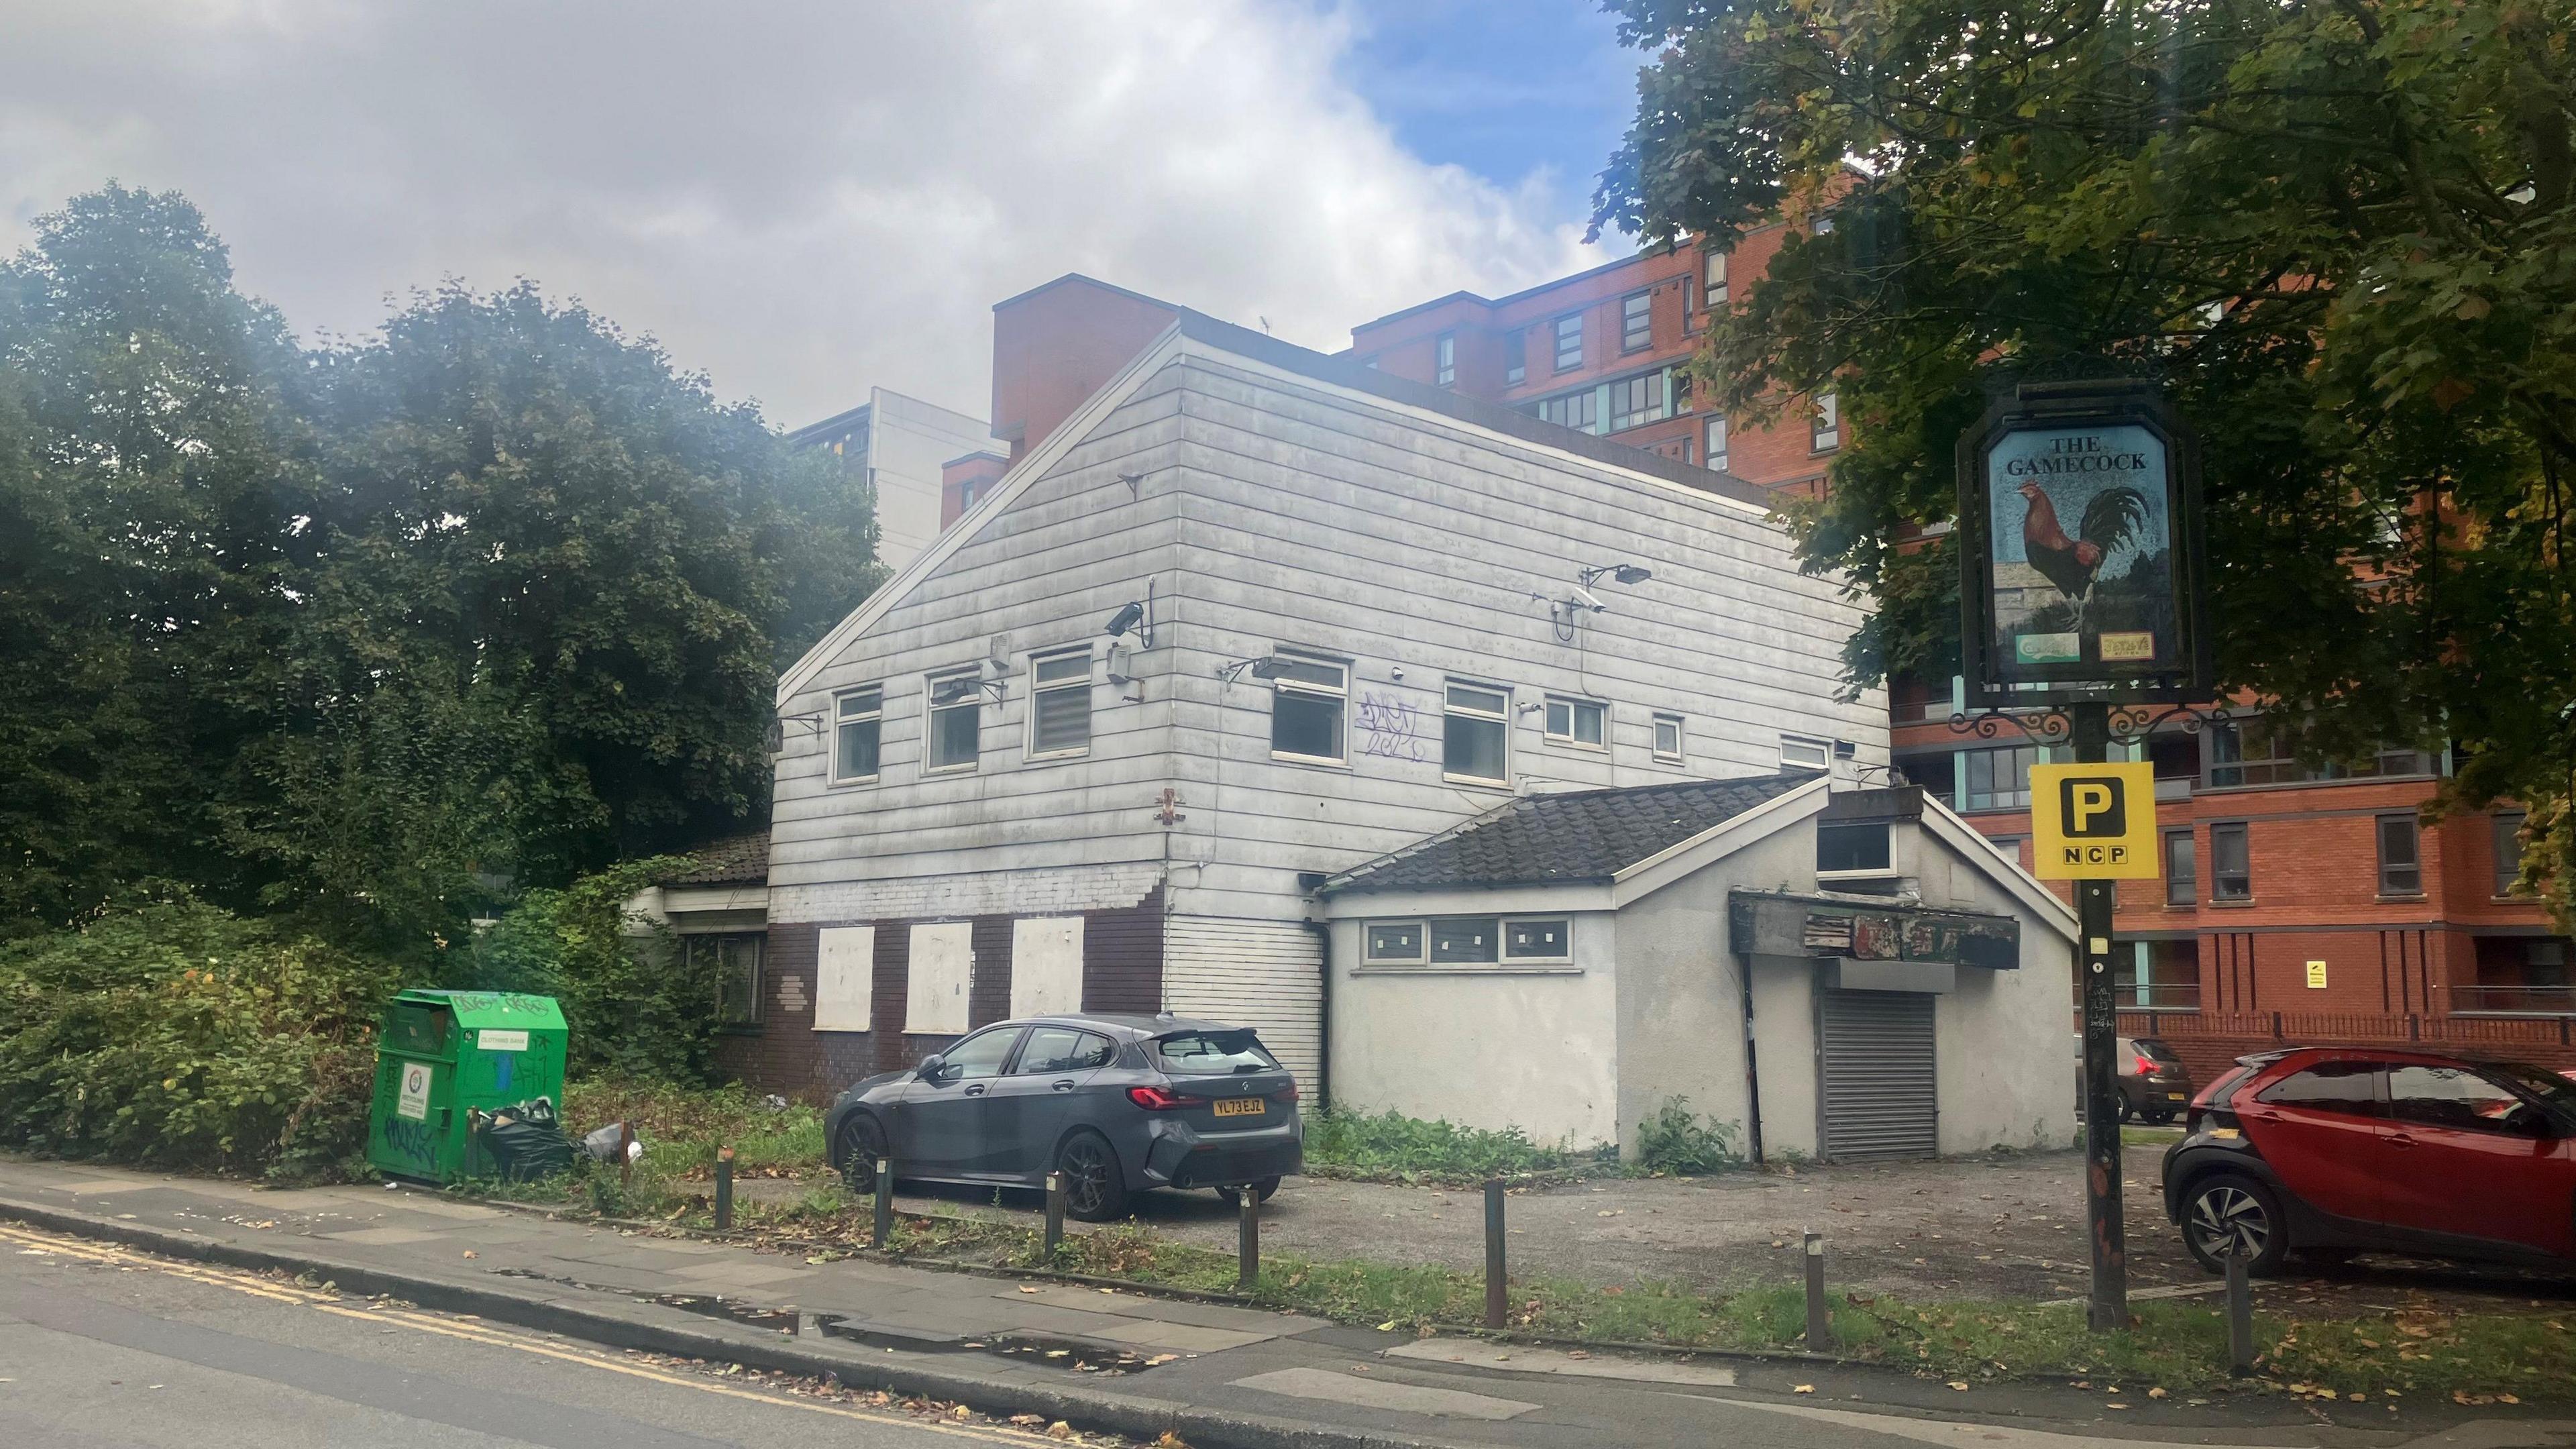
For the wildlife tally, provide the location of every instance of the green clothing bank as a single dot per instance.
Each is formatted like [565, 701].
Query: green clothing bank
[443, 1057]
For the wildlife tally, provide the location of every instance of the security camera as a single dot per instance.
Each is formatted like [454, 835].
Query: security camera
[1126, 620]
[1583, 596]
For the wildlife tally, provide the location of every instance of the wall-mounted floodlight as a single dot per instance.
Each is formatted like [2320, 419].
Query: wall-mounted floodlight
[1622, 573]
[1264, 666]
[955, 690]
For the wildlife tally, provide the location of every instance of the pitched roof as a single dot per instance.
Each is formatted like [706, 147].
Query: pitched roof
[1576, 838]
[733, 860]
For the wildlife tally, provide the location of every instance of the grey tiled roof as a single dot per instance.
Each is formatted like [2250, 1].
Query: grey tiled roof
[1567, 839]
[734, 860]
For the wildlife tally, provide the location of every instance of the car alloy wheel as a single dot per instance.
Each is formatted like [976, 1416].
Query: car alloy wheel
[2232, 1216]
[863, 1143]
[1094, 1191]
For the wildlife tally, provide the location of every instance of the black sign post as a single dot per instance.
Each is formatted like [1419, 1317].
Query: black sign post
[2082, 588]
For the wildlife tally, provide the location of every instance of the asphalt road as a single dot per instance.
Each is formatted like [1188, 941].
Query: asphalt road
[102, 1349]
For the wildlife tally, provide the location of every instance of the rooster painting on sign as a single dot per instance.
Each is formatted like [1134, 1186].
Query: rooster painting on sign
[2082, 547]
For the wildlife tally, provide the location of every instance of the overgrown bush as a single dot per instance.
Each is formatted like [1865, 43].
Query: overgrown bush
[1683, 1143]
[174, 1034]
[634, 1006]
[1390, 1145]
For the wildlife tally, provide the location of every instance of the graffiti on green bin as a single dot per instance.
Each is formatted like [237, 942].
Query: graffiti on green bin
[411, 1142]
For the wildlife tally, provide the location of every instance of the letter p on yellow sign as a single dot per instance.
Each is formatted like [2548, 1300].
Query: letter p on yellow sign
[2093, 822]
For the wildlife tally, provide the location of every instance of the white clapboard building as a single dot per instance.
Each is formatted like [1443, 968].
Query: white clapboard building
[1250, 619]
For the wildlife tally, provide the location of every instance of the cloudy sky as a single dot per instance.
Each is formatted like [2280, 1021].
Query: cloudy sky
[804, 198]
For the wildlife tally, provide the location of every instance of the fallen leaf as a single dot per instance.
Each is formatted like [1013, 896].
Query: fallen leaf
[1029, 1421]
[472, 1254]
[1059, 1430]
[1578, 1353]
[1171, 1440]
[1960, 1384]
[2155, 1393]
[2500, 1398]
[1387, 1327]
[961, 1412]
[1804, 1389]
[1028, 1288]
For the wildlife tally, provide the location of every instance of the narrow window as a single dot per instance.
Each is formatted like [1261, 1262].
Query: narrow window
[1852, 845]
[1446, 373]
[1395, 943]
[2508, 852]
[1569, 342]
[1690, 314]
[1307, 704]
[2401, 866]
[1465, 941]
[1806, 753]
[1516, 357]
[2182, 868]
[1636, 321]
[1716, 449]
[1668, 738]
[1475, 735]
[956, 721]
[1549, 938]
[1575, 722]
[1713, 276]
[733, 962]
[2231, 872]
[1829, 425]
[1060, 708]
[859, 728]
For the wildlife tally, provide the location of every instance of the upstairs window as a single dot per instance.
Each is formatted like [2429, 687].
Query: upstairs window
[1851, 845]
[956, 720]
[1690, 314]
[1060, 704]
[1806, 753]
[1516, 357]
[1576, 722]
[2231, 867]
[1569, 342]
[1475, 735]
[1580, 411]
[2401, 865]
[1668, 738]
[1997, 779]
[1828, 433]
[2508, 852]
[1309, 700]
[1636, 321]
[1445, 368]
[2182, 868]
[1715, 452]
[1713, 276]
[857, 731]
[1638, 400]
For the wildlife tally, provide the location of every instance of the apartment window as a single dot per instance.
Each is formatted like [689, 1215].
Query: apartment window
[2251, 752]
[1802, 751]
[1576, 722]
[1580, 411]
[2508, 852]
[858, 729]
[1690, 315]
[1997, 779]
[1060, 703]
[1446, 372]
[1668, 738]
[1475, 735]
[1713, 276]
[733, 963]
[1636, 321]
[1715, 451]
[2401, 864]
[1852, 845]
[2231, 870]
[1309, 700]
[956, 721]
[971, 493]
[1569, 342]
[2182, 868]
[1638, 400]
[1516, 357]
[1828, 433]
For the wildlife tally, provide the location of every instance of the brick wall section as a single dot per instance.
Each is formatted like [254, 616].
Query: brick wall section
[1122, 971]
[2209, 1046]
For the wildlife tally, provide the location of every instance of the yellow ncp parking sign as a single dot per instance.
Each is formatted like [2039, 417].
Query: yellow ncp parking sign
[2093, 822]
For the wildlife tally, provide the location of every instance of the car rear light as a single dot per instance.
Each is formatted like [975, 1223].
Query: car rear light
[1157, 1099]
[1288, 1093]
[2146, 1066]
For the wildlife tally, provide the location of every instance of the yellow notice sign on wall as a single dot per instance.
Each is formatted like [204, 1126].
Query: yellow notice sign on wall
[2093, 822]
[2316, 976]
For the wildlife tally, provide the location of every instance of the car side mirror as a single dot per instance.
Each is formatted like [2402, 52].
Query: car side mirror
[930, 1065]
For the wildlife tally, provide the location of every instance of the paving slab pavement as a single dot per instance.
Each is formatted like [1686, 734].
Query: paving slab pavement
[1222, 1376]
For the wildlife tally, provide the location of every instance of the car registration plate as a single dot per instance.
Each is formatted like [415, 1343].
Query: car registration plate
[1241, 1107]
[2176, 1096]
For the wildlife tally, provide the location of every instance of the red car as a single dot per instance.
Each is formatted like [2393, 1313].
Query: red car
[2336, 1150]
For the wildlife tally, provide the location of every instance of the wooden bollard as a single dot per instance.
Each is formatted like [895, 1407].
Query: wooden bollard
[2240, 1316]
[885, 1204]
[1496, 1308]
[1054, 1212]
[724, 1189]
[1247, 1267]
[1820, 1323]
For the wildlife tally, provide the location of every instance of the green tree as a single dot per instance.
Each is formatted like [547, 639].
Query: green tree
[2342, 235]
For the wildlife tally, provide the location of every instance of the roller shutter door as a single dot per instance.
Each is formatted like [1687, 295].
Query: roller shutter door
[1879, 1080]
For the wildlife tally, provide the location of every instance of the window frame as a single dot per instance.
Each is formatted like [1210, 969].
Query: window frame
[2241, 833]
[1501, 924]
[1444, 360]
[1500, 719]
[1886, 837]
[1824, 752]
[1516, 357]
[1040, 688]
[1825, 428]
[2393, 873]
[2182, 885]
[1714, 444]
[1421, 942]
[1557, 338]
[1340, 696]
[2505, 830]
[1681, 737]
[1690, 314]
[840, 721]
[1573, 705]
[1712, 276]
[715, 941]
[1634, 309]
[931, 710]
[1503, 933]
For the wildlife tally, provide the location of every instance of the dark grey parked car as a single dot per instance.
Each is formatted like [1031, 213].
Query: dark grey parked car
[1117, 1104]
[2154, 1084]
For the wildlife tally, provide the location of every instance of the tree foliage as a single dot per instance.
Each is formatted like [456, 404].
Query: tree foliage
[2341, 234]
[636, 1006]
[378, 631]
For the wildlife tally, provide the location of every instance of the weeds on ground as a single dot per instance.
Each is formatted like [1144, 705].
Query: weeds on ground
[1679, 1142]
[683, 1126]
[1390, 1147]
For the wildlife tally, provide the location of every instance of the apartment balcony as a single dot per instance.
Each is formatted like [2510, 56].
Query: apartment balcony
[2513, 1000]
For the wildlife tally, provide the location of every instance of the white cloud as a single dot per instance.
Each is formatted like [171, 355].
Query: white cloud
[802, 199]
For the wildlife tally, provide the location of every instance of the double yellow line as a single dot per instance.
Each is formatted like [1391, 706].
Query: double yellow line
[259, 1287]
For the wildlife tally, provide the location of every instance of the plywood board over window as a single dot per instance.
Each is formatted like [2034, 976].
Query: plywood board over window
[845, 968]
[942, 969]
[1046, 965]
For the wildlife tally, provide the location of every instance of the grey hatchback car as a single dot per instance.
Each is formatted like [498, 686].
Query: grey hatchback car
[1118, 1104]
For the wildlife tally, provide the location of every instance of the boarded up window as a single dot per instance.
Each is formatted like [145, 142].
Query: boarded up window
[845, 968]
[1046, 965]
[943, 960]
